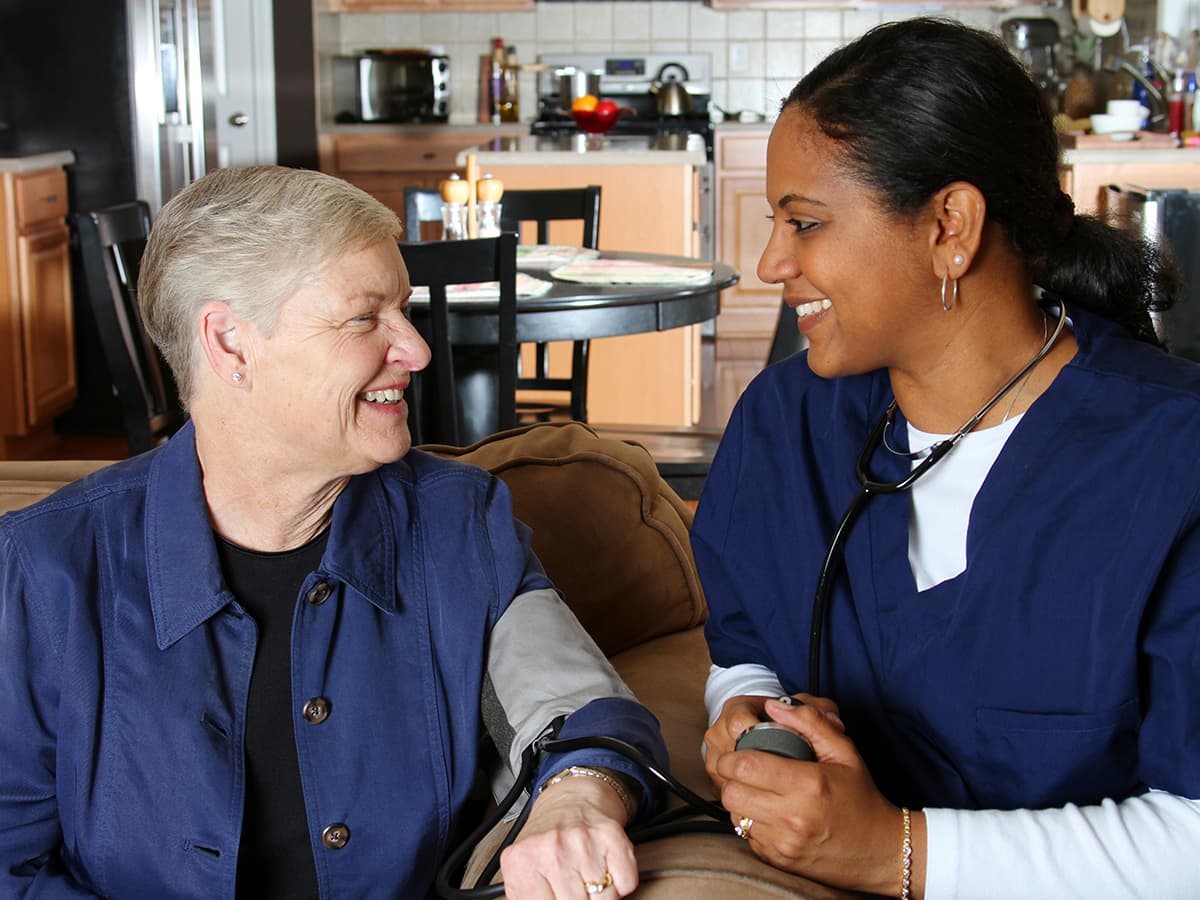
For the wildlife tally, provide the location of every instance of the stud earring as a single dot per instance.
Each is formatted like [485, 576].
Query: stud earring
[959, 259]
[237, 377]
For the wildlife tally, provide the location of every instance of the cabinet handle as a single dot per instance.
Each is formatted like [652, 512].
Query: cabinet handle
[50, 198]
[428, 154]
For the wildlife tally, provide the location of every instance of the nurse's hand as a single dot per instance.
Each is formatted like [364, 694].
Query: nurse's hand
[575, 836]
[825, 820]
[740, 713]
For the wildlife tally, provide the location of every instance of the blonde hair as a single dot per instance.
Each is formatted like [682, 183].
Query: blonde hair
[251, 237]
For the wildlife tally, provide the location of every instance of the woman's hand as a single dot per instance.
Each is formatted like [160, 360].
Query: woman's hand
[738, 714]
[825, 820]
[575, 836]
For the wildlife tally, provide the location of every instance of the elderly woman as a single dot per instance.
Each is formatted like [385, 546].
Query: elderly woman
[964, 526]
[257, 661]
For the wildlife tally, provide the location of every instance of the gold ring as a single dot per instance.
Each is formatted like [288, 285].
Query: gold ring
[742, 828]
[598, 887]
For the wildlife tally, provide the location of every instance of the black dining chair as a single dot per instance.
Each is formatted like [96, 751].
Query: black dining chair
[684, 454]
[540, 207]
[422, 214]
[439, 416]
[543, 207]
[111, 242]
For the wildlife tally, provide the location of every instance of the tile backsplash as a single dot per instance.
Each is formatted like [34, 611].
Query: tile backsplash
[757, 55]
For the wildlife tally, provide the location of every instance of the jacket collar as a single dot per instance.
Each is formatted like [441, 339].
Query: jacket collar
[183, 570]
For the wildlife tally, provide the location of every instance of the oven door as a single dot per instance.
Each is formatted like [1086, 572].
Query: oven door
[1168, 218]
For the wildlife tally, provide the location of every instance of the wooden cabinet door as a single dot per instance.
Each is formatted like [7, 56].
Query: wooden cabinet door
[750, 309]
[48, 339]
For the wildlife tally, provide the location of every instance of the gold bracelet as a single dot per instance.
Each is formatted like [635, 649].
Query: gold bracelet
[906, 857]
[573, 771]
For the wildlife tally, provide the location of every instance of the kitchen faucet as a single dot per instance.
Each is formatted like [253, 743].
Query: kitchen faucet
[1159, 105]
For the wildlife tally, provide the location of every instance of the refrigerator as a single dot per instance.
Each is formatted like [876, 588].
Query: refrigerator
[1168, 217]
[148, 95]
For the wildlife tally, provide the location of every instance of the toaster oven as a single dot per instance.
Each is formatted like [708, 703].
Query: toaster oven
[391, 86]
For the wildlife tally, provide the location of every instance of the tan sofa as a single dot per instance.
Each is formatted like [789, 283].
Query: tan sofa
[614, 539]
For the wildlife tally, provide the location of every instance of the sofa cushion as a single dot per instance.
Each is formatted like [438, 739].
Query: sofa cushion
[611, 533]
[24, 482]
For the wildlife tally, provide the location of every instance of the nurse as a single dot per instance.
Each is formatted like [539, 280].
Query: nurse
[1003, 693]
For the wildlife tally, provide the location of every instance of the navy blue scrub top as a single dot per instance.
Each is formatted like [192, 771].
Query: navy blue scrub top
[1063, 665]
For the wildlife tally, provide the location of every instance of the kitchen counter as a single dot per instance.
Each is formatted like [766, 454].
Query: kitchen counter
[1119, 154]
[18, 165]
[590, 150]
[432, 128]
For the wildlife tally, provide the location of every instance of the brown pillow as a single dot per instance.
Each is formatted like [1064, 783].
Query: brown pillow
[611, 533]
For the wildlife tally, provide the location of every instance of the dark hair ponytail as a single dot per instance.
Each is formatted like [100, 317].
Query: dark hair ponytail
[921, 103]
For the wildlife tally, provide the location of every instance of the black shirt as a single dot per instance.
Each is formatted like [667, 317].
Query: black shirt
[276, 857]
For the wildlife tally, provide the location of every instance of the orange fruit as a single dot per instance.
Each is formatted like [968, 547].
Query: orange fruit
[586, 103]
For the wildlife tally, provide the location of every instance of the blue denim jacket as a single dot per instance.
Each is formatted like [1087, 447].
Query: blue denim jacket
[125, 665]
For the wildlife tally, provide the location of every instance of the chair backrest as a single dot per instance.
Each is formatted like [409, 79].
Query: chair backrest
[111, 242]
[516, 206]
[421, 205]
[436, 264]
[553, 205]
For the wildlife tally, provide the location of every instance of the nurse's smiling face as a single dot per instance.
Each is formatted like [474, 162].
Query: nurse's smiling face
[859, 277]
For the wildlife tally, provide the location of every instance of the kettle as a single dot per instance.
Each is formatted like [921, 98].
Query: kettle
[672, 98]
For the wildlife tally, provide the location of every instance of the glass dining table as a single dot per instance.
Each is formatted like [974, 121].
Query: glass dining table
[571, 310]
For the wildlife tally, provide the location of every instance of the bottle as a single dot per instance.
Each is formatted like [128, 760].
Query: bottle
[510, 101]
[496, 82]
[1176, 95]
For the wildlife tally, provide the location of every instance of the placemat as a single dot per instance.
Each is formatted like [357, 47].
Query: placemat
[631, 271]
[527, 287]
[548, 256]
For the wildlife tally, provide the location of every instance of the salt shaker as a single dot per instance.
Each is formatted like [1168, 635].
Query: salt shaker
[489, 190]
[455, 193]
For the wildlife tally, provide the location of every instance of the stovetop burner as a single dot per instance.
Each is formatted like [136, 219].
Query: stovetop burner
[553, 123]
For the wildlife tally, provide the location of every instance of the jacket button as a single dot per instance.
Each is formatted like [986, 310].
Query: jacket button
[335, 836]
[320, 593]
[315, 711]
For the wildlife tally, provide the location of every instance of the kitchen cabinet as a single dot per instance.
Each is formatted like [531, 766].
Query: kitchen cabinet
[844, 4]
[750, 309]
[1086, 173]
[384, 161]
[37, 377]
[650, 201]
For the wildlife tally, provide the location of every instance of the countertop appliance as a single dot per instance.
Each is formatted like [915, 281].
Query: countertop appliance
[404, 85]
[1169, 217]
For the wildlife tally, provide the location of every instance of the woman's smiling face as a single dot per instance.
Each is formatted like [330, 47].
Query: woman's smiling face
[330, 381]
[859, 277]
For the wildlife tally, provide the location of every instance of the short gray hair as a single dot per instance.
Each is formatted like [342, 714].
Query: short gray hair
[252, 237]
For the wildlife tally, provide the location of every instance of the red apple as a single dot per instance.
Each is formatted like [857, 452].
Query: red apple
[606, 109]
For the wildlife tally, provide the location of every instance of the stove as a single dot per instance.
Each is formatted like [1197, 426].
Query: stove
[626, 79]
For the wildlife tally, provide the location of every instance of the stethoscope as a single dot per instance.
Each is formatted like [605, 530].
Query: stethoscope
[869, 487]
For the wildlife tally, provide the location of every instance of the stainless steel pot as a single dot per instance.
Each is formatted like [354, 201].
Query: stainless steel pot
[574, 83]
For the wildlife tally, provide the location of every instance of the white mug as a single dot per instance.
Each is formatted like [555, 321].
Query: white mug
[1127, 109]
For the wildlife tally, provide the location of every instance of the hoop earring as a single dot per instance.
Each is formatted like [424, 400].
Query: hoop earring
[946, 307]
